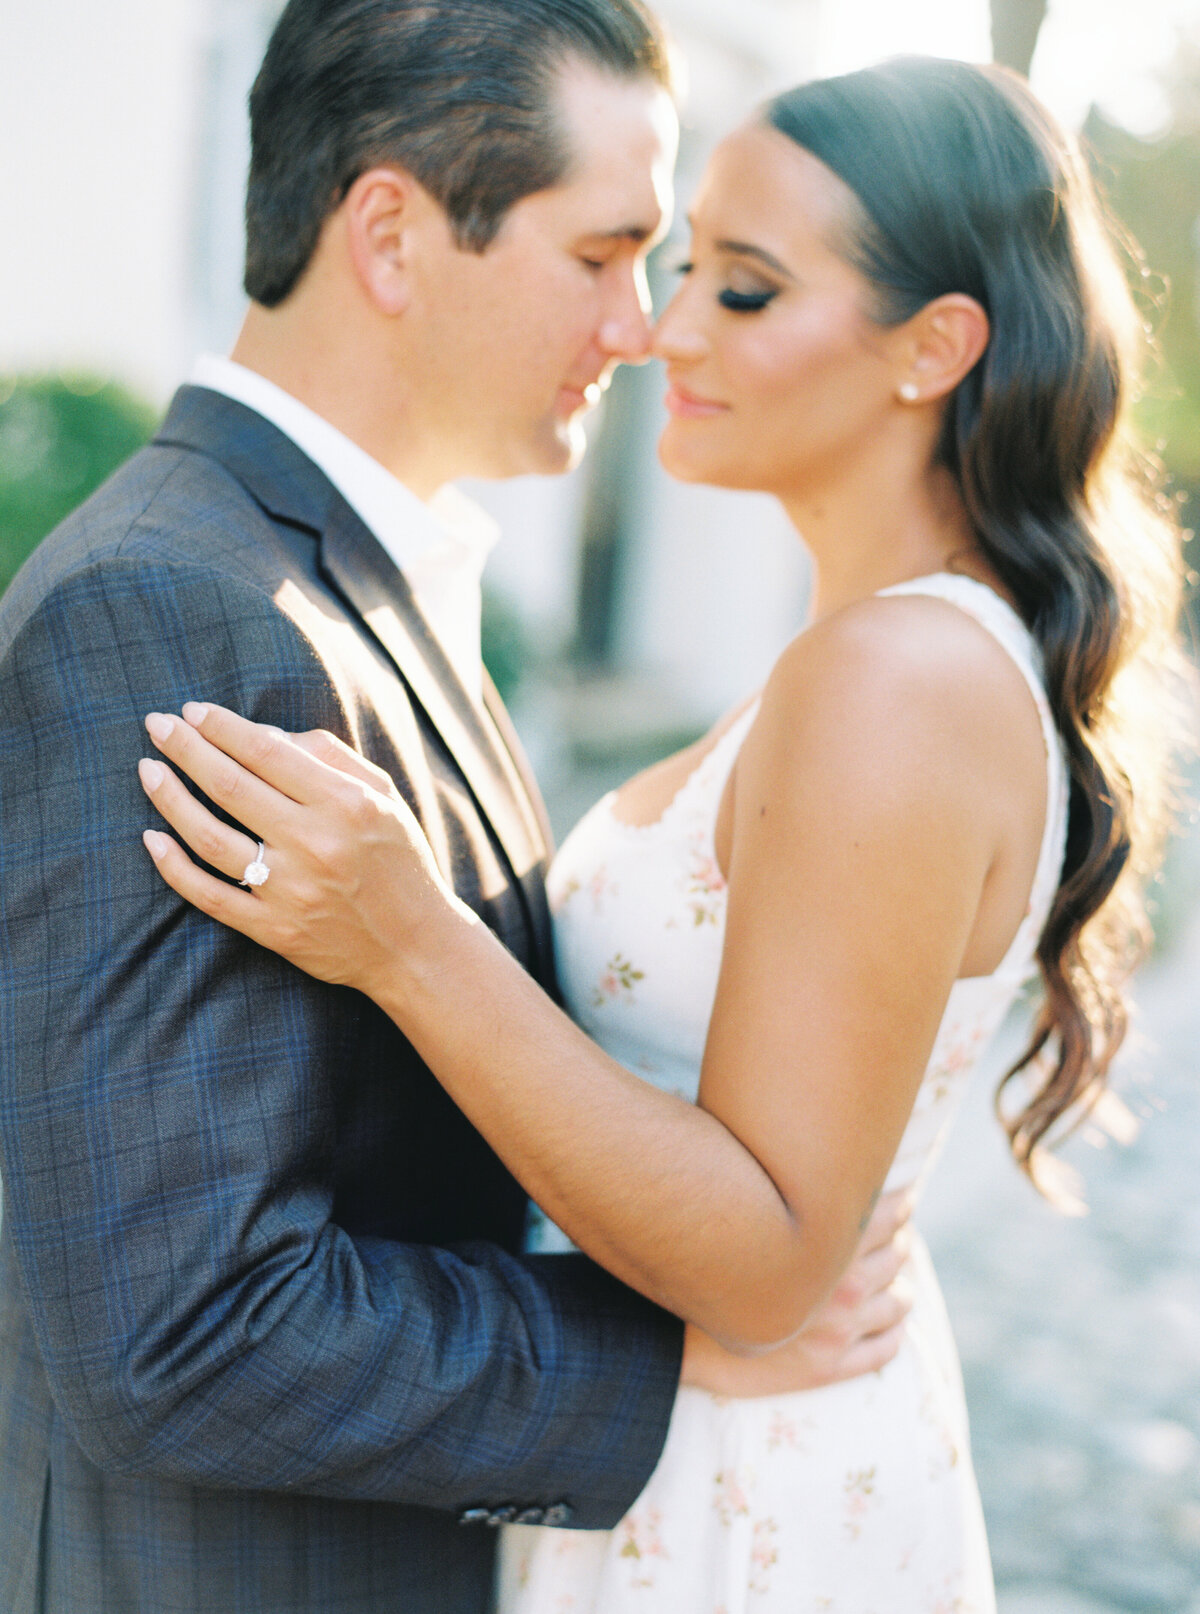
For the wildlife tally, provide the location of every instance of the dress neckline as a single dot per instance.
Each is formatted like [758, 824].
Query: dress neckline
[692, 782]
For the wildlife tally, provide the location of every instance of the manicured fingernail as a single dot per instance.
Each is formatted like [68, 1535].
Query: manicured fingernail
[159, 727]
[156, 844]
[152, 773]
[195, 712]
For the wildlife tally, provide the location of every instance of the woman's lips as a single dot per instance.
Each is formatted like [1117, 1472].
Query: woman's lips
[685, 405]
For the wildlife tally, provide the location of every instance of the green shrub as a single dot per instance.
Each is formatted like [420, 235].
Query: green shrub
[60, 436]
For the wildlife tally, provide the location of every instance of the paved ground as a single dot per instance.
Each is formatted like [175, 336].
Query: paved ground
[1081, 1338]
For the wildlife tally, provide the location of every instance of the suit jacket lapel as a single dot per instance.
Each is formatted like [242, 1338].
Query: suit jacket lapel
[291, 488]
[507, 735]
[360, 569]
[526, 789]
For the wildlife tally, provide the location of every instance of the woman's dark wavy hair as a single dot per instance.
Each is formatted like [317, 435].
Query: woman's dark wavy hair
[965, 184]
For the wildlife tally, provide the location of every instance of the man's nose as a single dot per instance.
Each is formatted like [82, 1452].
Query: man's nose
[625, 333]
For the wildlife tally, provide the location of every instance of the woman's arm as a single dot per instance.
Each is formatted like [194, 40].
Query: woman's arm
[865, 823]
[858, 1329]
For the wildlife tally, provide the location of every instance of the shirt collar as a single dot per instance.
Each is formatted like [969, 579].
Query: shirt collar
[405, 525]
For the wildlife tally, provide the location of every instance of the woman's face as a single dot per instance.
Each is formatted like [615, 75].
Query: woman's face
[779, 380]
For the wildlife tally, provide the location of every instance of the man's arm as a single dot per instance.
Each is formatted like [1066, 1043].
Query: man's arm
[167, 1101]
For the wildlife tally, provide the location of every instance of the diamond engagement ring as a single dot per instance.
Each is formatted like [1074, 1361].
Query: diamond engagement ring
[257, 872]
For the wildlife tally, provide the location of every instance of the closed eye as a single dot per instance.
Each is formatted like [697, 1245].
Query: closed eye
[745, 302]
[737, 302]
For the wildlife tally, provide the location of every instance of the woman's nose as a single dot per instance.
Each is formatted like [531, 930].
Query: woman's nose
[677, 337]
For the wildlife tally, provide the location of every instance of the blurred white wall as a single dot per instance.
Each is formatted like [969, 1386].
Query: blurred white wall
[718, 581]
[97, 107]
[124, 126]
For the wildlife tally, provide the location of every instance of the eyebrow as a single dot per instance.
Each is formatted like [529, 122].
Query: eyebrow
[637, 233]
[746, 249]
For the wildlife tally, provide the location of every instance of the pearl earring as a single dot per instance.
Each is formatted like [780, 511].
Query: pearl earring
[909, 391]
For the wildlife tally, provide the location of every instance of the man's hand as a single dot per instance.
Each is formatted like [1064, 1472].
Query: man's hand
[857, 1330]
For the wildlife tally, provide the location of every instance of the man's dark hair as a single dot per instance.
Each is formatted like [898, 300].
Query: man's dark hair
[458, 92]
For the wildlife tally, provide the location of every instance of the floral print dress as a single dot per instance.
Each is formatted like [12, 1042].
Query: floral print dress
[858, 1498]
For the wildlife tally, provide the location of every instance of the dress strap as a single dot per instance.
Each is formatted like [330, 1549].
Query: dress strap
[1000, 620]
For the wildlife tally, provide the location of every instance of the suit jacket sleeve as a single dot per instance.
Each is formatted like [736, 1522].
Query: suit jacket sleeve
[167, 1101]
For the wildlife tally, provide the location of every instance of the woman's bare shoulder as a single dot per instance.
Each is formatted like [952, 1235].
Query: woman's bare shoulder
[900, 658]
[901, 692]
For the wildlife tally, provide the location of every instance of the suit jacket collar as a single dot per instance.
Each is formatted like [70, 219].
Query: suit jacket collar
[265, 460]
[289, 487]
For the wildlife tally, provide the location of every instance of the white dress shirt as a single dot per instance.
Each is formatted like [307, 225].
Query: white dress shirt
[440, 546]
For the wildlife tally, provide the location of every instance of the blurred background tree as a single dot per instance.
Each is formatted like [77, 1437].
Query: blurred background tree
[60, 436]
[1015, 28]
[1153, 184]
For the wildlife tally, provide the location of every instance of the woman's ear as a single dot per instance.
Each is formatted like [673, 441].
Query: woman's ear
[940, 344]
[378, 214]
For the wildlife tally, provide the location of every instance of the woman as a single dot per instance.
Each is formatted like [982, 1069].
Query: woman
[901, 318]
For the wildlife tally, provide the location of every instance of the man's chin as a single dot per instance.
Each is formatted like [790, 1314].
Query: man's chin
[557, 447]
[560, 448]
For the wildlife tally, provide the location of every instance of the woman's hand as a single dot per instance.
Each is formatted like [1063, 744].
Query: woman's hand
[858, 1330]
[352, 882]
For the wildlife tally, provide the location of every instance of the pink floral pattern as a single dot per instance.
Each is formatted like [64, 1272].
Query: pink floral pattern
[783, 1431]
[731, 1495]
[764, 1555]
[859, 1488]
[601, 886]
[619, 979]
[705, 888]
[559, 895]
[639, 1535]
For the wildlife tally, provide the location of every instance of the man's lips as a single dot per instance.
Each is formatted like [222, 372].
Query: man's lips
[685, 405]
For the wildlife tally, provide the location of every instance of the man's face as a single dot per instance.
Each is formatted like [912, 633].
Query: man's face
[514, 345]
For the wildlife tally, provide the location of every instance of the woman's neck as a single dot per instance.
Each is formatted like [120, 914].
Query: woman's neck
[865, 534]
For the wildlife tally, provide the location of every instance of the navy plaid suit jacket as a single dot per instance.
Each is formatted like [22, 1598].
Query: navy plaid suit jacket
[264, 1336]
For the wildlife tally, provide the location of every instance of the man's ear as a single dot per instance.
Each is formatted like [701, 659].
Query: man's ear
[939, 345]
[379, 209]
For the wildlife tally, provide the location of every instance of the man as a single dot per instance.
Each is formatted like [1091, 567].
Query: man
[265, 1344]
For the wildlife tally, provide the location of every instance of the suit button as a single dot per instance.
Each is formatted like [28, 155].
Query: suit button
[558, 1513]
[502, 1515]
[474, 1516]
[533, 1515]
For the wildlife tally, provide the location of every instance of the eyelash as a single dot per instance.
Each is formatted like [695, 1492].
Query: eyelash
[737, 302]
[745, 302]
